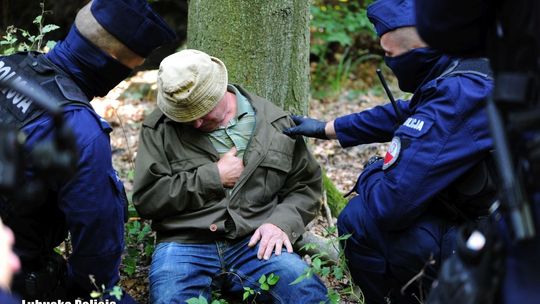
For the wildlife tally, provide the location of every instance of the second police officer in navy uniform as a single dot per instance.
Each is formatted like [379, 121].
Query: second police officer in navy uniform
[410, 202]
[107, 40]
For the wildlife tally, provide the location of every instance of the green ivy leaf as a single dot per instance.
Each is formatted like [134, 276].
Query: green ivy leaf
[37, 20]
[333, 296]
[49, 28]
[316, 263]
[245, 296]
[116, 292]
[50, 44]
[130, 265]
[95, 294]
[262, 279]
[272, 279]
[331, 229]
[338, 272]
[199, 300]
[131, 175]
[149, 250]
[344, 237]
[308, 247]
[299, 279]
[325, 271]
[265, 287]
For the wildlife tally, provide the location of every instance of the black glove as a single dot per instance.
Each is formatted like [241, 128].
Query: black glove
[308, 127]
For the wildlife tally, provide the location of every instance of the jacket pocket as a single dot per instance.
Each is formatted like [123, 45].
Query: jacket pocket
[277, 160]
[277, 166]
[272, 172]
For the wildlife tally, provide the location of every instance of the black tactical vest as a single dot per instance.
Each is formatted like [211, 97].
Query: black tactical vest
[33, 69]
[17, 110]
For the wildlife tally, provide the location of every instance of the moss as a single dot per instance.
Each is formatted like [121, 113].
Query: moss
[335, 198]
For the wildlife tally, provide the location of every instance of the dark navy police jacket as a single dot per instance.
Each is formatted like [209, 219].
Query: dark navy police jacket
[91, 205]
[444, 135]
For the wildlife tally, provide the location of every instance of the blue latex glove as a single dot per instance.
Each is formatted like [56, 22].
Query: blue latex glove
[307, 127]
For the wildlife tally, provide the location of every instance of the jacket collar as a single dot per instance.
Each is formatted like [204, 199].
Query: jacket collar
[265, 113]
[438, 69]
[269, 114]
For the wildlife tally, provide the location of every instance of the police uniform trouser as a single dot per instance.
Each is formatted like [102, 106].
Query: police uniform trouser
[382, 262]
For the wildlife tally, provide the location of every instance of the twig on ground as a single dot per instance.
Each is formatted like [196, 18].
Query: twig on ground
[327, 211]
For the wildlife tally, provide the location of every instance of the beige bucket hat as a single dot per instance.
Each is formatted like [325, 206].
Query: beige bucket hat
[190, 84]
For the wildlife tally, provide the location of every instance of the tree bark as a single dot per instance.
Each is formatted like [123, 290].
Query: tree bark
[264, 44]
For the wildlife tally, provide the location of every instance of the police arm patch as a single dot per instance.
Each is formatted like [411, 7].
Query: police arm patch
[392, 154]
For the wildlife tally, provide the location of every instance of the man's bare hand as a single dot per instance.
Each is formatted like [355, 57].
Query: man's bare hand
[270, 237]
[230, 168]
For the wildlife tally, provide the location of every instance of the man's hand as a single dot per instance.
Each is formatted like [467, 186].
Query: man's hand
[230, 168]
[270, 237]
[308, 127]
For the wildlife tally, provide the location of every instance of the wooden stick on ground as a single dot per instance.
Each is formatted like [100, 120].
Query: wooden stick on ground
[327, 210]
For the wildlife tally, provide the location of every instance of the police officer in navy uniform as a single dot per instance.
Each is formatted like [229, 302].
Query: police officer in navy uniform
[409, 203]
[107, 40]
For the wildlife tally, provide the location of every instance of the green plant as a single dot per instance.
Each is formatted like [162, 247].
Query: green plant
[17, 40]
[202, 300]
[139, 245]
[249, 295]
[327, 268]
[116, 291]
[265, 284]
[337, 23]
[340, 32]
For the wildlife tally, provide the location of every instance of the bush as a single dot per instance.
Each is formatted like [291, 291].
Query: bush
[341, 38]
[19, 40]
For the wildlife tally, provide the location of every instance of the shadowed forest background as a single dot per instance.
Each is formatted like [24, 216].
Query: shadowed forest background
[344, 54]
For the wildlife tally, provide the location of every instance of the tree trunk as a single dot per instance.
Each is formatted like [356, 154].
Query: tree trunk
[264, 44]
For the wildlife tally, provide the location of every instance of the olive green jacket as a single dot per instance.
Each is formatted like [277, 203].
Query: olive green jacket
[177, 182]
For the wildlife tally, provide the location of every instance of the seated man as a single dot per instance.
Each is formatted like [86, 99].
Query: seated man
[228, 193]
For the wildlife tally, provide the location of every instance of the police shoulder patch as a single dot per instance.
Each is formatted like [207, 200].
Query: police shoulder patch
[392, 154]
[416, 126]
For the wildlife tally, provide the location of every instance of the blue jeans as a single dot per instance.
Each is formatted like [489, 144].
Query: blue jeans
[183, 271]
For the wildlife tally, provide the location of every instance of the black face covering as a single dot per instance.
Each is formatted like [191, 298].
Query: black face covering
[412, 67]
[94, 71]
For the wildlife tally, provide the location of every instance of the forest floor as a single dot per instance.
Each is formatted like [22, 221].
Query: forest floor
[126, 106]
